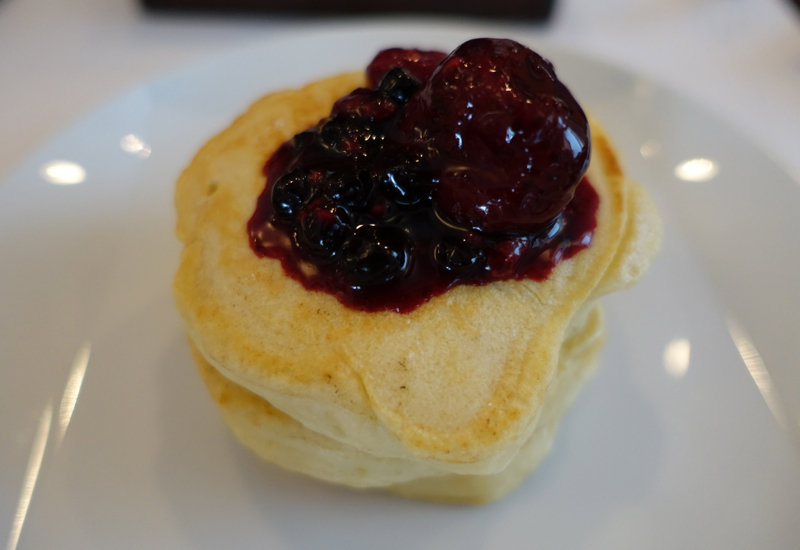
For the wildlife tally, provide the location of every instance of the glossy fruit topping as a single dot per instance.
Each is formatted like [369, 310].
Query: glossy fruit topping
[513, 141]
[416, 63]
[459, 169]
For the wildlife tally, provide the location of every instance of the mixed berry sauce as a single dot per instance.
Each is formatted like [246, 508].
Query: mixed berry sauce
[454, 169]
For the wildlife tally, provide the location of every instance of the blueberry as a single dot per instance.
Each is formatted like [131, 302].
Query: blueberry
[349, 187]
[351, 136]
[290, 192]
[365, 104]
[405, 186]
[322, 228]
[461, 255]
[375, 255]
[398, 86]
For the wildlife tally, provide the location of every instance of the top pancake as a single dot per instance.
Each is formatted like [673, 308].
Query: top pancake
[459, 380]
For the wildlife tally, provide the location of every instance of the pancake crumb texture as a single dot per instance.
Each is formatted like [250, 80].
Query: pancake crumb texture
[456, 401]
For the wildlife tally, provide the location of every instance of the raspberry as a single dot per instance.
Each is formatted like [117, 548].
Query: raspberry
[514, 141]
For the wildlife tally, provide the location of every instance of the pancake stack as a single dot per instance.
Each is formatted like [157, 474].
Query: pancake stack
[457, 401]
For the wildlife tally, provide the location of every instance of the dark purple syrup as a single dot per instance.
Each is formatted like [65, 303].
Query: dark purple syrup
[459, 169]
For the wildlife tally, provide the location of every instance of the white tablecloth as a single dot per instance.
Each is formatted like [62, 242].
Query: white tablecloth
[738, 58]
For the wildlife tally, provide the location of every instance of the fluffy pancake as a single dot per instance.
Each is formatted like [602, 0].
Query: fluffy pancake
[457, 386]
[279, 438]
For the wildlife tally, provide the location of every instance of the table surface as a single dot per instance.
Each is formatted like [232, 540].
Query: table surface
[738, 58]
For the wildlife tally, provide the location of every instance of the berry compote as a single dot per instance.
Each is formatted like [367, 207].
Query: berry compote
[465, 168]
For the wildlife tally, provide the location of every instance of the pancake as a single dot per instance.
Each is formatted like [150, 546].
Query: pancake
[280, 439]
[444, 402]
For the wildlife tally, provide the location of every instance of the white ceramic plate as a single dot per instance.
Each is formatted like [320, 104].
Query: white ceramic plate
[109, 439]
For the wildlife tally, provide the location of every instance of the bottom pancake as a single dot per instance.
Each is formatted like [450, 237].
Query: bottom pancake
[281, 439]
